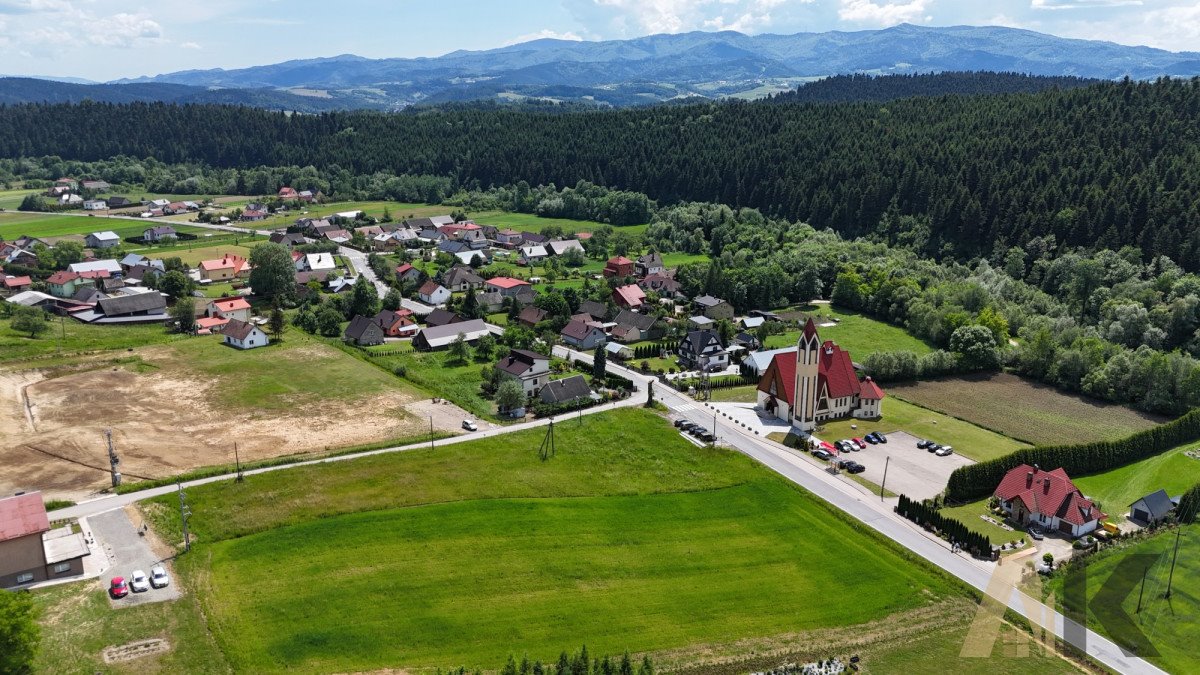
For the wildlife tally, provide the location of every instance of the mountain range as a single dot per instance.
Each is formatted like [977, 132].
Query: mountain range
[643, 70]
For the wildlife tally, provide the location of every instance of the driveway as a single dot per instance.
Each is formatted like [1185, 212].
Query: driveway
[911, 471]
[127, 551]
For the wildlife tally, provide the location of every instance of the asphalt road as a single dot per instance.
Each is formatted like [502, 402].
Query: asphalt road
[359, 260]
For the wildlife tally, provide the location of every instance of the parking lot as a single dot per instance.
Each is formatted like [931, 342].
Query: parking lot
[127, 551]
[911, 471]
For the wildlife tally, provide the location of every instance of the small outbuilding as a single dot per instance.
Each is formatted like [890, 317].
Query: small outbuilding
[1153, 508]
[244, 335]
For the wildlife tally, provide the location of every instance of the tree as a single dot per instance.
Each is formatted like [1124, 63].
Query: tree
[29, 320]
[470, 305]
[599, 364]
[460, 351]
[67, 253]
[976, 347]
[509, 395]
[392, 300]
[329, 321]
[184, 314]
[175, 284]
[272, 274]
[277, 323]
[19, 632]
[485, 346]
[364, 299]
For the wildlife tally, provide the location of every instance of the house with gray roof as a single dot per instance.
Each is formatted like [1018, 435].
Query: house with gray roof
[567, 390]
[441, 337]
[1153, 508]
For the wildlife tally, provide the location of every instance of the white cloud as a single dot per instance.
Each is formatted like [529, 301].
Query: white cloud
[883, 13]
[1082, 4]
[52, 28]
[189, 45]
[124, 30]
[675, 16]
[543, 34]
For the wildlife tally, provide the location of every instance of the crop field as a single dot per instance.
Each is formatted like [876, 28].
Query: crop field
[629, 538]
[182, 405]
[857, 333]
[1027, 410]
[1172, 471]
[968, 440]
[1165, 632]
[13, 225]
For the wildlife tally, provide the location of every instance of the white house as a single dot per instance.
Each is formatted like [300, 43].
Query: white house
[244, 335]
[111, 266]
[531, 369]
[532, 255]
[433, 293]
[1048, 499]
[316, 262]
[95, 205]
[105, 239]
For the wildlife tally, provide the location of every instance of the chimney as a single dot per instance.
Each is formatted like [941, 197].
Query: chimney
[1046, 484]
[1029, 479]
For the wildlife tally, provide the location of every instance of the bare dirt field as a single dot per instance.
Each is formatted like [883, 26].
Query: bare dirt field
[184, 407]
[1025, 410]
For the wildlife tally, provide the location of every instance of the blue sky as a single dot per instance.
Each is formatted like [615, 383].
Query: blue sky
[108, 39]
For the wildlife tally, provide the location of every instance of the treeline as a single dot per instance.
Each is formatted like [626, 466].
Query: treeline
[972, 482]
[882, 88]
[1105, 166]
[959, 535]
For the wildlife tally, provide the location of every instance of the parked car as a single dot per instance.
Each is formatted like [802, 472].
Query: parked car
[708, 437]
[944, 450]
[470, 426]
[698, 431]
[862, 445]
[853, 467]
[139, 582]
[118, 588]
[870, 438]
[821, 454]
[680, 422]
[933, 447]
[158, 577]
[1035, 533]
[922, 444]
[880, 437]
[827, 446]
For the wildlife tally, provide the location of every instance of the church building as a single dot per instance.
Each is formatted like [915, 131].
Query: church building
[815, 384]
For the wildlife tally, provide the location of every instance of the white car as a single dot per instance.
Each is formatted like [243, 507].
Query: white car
[158, 577]
[945, 450]
[470, 426]
[138, 581]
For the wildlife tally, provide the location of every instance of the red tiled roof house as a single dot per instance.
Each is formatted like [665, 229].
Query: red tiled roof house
[1048, 499]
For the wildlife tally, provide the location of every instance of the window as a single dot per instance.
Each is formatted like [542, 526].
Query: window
[62, 567]
[25, 578]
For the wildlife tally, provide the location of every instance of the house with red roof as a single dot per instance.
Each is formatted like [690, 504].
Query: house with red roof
[629, 297]
[1049, 499]
[229, 308]
[506, 286]
[619, 266]
[288, 193]
[226, 267]
[816, 383]
[30, 550]
[14, 285]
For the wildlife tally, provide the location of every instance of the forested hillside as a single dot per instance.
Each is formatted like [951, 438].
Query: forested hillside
[1102, 166]
[859, 87]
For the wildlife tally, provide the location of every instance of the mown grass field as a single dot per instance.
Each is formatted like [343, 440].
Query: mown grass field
[968, 440]
[1166, 629]
[857, 333]
[11, 199]
[629, 538]
[193, 256]
[1027, 410]
[80, 337]
[534, 223]
[14, 224]
[969, 515]
[1172, 471]
[438, 375]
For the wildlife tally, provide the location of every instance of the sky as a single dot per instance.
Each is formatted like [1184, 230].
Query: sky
[109, 39]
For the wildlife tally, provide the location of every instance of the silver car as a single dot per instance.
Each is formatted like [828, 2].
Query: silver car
[158, 577]
[138, 582]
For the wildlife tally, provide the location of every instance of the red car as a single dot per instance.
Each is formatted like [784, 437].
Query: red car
[860, 443]
[828, 447]
[118, 588]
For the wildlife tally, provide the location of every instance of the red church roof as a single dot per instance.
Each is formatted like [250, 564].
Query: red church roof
[1048, 492]
[871, 391]
[836, 371]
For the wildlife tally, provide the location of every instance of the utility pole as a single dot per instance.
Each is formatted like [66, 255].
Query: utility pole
[238, 459]
[1171, 576]
[546, 449]
[184, 513]
[714, 442]
[886, 462]
[431, 432]
[1143, 590]
[113, 460]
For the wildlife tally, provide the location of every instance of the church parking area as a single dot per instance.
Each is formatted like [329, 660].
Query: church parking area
[911, 470]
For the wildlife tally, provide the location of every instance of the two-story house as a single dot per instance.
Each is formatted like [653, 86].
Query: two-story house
[531, 369]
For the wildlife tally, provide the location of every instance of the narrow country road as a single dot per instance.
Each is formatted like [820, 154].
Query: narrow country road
[359, 260]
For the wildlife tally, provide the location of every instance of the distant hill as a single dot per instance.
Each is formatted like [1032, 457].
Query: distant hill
[660, 68]
[15, 90]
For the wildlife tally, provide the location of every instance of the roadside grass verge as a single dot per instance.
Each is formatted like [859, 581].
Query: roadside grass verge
[1030, 411]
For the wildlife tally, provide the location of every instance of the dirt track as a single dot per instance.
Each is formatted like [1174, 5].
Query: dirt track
[162, 426]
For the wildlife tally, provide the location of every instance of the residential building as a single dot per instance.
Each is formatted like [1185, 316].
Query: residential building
[531, 316]
[244, 335]
[529, 368]
[288, 193]
[96, 185]
[460, 279]
[506, 286]
[619, 267]
[397, 324]
[229, 308]
[30, 551]
[363, 332]
[64, 283]
[133, 260]
[747, 341]
[442, 317]
[158, 233]
[1153, 508]
[509, 238]
[407, 272]
[713, 308]
[227, 267]
[618, 351]
[14, 285]
[490, 301]
[532, 255]
[662, 284]
[651, 263]
[1048, 499]
[94, 205]
[338, 236]
[567, 390]
[752, 322]
[597, 310]
[316, 262]
[634, 327]
[702, 350]
[111, 267]
[433, 293]
[816, 384]
[105, 239]
[561, 247]
[288, 239]
[583, 335]
[468, 232]
[441, 337]
[254, 215]
[629, 297]
[534, 238]
[119, 203]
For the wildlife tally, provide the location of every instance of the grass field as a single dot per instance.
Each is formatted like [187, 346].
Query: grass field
[857, 333]
[1172, 471]
[629, 538]
[968, 440]
[434, 373]
[14, 224]
[80, 337]
[533, 223]
[11, 199]
[1166, 627]
[746, 394]
[969, 515]
[1019, 408]
[192, 256]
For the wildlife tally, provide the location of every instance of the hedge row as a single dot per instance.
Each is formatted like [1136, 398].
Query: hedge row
[1189, 505]
[928, 517]
[980, 480]
[652, 351]
[611, 380]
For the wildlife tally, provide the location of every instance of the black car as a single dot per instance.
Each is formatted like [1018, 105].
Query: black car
[698, 431]
[880, 437]
[707, 437]
[686, 425]
[680, 422]
[853, 467]
[933, 447]
[922, 444]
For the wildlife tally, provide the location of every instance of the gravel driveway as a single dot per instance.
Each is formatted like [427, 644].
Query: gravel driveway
[127, 551]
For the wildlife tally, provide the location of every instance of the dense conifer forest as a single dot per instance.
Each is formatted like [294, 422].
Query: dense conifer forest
[1105, 166]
